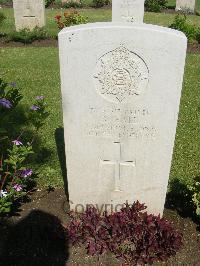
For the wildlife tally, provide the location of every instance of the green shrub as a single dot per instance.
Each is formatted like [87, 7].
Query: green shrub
[68, 4]
[15, 177]
[70, 18]
[194, 187]
[73, 4]
[100, 3]
[57, 3]
[2, 18]
[27, 36]
[48, 2]
[6, 2]
[155, 5]
[180, 23]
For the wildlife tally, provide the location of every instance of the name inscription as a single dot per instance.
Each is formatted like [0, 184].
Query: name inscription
[117, 123]
[129, 9]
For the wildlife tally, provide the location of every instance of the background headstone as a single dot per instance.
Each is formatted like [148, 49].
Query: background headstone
[120, 114]
[185, 5]
[127, 10]
[29, 14]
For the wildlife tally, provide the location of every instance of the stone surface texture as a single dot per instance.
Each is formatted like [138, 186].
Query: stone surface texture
[185, 5]
[29, 14]
[127, 10]
[121, 87]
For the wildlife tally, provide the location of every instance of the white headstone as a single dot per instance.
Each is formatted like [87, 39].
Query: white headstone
[185, 5]
[127, 10]
[29, 14]
[121, 87]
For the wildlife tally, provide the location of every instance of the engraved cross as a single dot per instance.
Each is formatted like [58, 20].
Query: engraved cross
[118, 164]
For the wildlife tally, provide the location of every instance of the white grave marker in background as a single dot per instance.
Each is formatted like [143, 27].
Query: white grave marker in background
[29, 14]
[185, 5]
[121, 87]
[127, 10]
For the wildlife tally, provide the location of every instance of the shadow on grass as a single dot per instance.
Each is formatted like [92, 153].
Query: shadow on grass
[38, 239]
[42, 154]
[180, 199]
[60, 143]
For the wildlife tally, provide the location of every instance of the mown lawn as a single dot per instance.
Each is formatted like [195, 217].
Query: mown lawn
[36, 70]
[94, 15]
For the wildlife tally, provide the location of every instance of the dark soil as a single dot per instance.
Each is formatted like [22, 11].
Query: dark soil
[41, 43]
[35, 235]
[7, 5]
[194, 48]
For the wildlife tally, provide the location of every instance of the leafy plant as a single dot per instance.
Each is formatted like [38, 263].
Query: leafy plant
[180, 23]
[38, 112]
[28, 36]
[2, 18]
[5, 203]
[70, 18]
[15, 177]
[131, 234]
[100, 3]
[73, 4]
[155, 5]
[48, 2]
[194, 187]
[9, 99]
[6, 2]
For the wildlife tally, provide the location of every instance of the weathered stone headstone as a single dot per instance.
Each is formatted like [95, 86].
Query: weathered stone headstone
[187, 6]
[127, 10]
[121, 87]
[29, 14]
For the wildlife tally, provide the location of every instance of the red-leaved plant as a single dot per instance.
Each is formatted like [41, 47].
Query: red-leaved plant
[131, 234]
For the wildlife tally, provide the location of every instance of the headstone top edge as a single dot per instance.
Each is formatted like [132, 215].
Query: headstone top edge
[121, 25]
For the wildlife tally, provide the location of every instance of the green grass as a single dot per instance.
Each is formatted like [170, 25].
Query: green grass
[36, 70]
[94, 15]
[186, 159]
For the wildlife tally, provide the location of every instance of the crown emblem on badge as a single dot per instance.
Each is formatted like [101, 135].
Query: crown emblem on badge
[120, 75]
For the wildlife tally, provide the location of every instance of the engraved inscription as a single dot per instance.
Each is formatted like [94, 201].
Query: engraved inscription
[119, 122]
[120, 131]
[121, 75]
[127, 8]
[28, 9]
